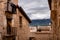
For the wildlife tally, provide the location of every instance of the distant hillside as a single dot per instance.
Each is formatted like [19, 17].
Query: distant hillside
[42, 22]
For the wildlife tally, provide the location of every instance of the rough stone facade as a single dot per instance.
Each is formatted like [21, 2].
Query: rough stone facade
[40, 33]
[18, 31]
[23, 32]
[41, 36]
[55, 18]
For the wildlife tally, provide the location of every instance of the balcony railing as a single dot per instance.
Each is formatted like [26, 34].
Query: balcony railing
[13, 32]
[8, 16]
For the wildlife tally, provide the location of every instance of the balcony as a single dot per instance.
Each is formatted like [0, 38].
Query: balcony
[8, 15]
[10, 8]
[12, 32]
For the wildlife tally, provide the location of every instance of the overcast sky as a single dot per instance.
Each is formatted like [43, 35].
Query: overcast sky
[35, 9]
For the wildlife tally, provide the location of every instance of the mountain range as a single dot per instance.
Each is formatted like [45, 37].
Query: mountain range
[40, 22]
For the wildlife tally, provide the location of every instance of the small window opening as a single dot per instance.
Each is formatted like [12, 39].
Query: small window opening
[8, 26]
[38, 30]
[20, 21]
[31, 38]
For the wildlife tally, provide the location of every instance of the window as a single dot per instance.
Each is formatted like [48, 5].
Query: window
[53, 14]
[32, 38]
[38, 30]
[8, 5]
[20, 21]
[14, 30]
[8, 0]
[8, 26]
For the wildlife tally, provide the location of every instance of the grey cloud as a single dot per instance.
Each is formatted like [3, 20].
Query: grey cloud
[35, 7]
[37, 11]
[28, 1]
[39, 8]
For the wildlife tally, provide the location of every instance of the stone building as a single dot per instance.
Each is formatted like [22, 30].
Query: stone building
[55, 18]
[40, 33]
[54, 34]
[13, 21]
